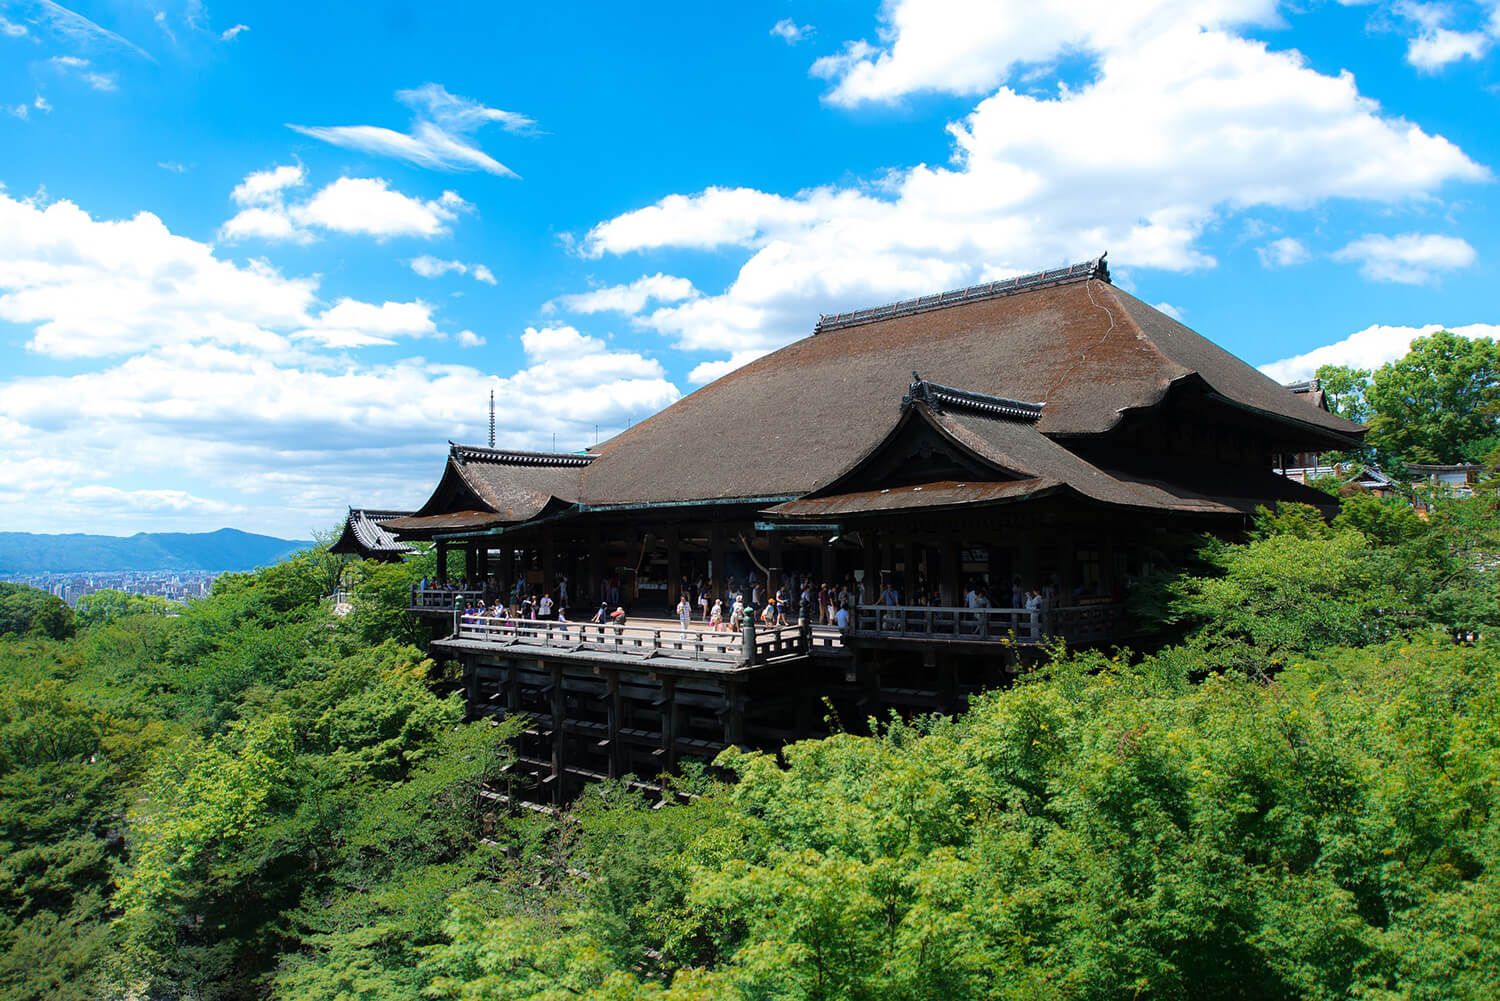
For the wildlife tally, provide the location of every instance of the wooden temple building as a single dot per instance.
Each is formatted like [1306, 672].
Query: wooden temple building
[1049, 432]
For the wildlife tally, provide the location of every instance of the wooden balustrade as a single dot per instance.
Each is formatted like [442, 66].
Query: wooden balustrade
[1075, 623]
[440, 599]
[633, 640]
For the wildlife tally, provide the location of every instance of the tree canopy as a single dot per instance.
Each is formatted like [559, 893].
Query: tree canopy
[1440, 403]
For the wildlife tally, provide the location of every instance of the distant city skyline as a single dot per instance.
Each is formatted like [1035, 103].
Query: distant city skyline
[259, 263]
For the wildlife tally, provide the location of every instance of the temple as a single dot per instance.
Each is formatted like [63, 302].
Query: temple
[981, 471]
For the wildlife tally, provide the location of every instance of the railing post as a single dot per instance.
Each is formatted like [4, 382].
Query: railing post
[747, 627]
[458, 612]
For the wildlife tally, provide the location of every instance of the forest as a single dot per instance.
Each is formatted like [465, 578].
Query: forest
[1290, 792]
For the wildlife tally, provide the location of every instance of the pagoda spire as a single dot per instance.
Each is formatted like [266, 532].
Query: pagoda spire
[492, 418]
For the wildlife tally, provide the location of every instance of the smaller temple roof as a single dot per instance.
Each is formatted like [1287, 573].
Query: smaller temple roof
[484, 488]
[366, 536]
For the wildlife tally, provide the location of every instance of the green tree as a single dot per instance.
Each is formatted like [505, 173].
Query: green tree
[1439, 403]
[27, 611]
[1345, 390]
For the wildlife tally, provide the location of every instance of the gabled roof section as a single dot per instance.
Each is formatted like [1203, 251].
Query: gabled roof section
[795, 420]
[1084, 271]
[366, 536]
[943, 398]
[486, 488]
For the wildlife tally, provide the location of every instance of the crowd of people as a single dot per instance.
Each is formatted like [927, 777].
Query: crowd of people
[801, 602]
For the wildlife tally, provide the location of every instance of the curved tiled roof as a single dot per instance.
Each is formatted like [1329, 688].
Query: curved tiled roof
[796, 419]
[365, 534]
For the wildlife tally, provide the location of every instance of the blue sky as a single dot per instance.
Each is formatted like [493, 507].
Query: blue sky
[259, 262]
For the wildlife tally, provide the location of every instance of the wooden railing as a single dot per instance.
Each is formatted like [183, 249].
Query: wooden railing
[1075, 623]
[634, 640]
[440, 599]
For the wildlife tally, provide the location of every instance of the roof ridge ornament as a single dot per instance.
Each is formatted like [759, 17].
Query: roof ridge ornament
[464, 454]
[947, 398]
[1098, 268]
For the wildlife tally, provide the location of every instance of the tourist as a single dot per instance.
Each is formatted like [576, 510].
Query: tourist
[703, 600]
[737, 611]
[841, 618]
[716, 616]
[684, 612]
[544, 610]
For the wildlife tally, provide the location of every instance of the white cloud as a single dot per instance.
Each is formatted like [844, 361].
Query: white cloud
[1412, 258]
[632, 298]
[166, 29]
[136, 501]
[173, 166]
[439, 136]
[368, 205]
[41, 104]
[1368, 349]
[21, 111]
[1435, 49]
[265, 187]
[356, 205]
[352, 324]
[230, 34]
[1435, 45]
[432, 267]
[221, 389]
[956, 47]
[469, 339]
[80, 68]
[790, 31]
[1282, 253]
[1182, 124]
[11, 28]
[77, 29]
[708, 371]
[557, 343]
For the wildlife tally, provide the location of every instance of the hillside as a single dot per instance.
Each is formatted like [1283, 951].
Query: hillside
[226, 549]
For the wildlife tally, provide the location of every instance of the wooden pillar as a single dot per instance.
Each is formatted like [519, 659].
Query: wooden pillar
[734, 714]
[674, 565]
[442, 560]
[877, 558]
[615, 722]
[827, 569]
[668, 704]
[559, 752]
[484, 564]
[718, 579]
[953, 578]
[549, 561]
[774, 557]
[590, 599]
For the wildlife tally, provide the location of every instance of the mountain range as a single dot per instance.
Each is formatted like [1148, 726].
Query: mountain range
[226, 549]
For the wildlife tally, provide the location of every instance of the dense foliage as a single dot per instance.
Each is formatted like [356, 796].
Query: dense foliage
[255, 797]
[1440, 403]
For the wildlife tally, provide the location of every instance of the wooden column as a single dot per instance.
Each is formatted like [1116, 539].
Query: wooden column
[774, 557]
[877, 557]
[718, 579]
[952, 584]
[734, 714]
[615, 722]
[559, 752]
[549, 562]
[668, 704]
[442, 560]
[674, 565]
[590, 598]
